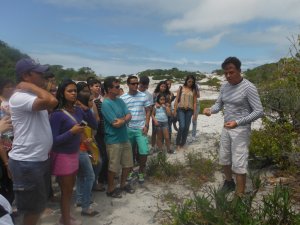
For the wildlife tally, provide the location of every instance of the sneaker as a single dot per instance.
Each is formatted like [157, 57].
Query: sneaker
[228, 186]
[172, 152]
[141, 178]
[130, 176]
[189, 140]
[89, 213]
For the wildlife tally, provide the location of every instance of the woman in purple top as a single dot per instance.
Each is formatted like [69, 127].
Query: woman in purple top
[67, 123]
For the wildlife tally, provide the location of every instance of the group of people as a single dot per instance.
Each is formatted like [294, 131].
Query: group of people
[87, 133]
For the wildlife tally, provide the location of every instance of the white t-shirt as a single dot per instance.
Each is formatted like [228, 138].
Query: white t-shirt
[149, 96]
[6, 219]
[32, 132]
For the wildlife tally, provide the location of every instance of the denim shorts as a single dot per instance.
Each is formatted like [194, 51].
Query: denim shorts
[31, 184]
[162, 125]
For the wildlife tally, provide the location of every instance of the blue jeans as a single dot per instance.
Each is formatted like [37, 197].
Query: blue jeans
[184, 117]
[194, 123]
[85, 180]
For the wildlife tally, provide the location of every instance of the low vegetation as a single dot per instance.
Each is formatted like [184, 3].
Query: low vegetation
[214, 82]
[220, 208]
[195, 171]
[206, 103]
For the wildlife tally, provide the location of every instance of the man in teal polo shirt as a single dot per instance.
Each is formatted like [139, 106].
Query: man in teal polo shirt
[116, 115]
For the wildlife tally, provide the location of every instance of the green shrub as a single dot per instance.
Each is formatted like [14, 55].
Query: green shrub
[159, 168]
[273, 143]
[216, 207]
[206, 103]
[277, 208]
[215, 82]
[199, 169]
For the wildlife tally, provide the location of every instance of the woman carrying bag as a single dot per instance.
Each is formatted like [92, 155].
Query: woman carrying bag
[185, 109]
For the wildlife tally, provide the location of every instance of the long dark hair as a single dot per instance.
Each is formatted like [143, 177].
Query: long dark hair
[82, 96]
[186, 80]
[60, 92]
[159, 96]
[157, 89]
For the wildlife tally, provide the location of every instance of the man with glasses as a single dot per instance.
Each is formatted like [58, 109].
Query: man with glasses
[140, 108]
[28, 160]
[116, 116]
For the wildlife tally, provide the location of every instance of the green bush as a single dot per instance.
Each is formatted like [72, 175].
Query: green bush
[218, 208]
[273, 143]
[160, 168]
[215, 82]
[199, 169]
[206, 103]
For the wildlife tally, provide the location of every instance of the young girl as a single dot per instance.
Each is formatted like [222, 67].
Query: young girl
[160, 114]
[67, 129]
[85, 175]
[161, 88]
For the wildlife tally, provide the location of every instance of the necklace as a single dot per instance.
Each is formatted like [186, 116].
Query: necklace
[69, 109]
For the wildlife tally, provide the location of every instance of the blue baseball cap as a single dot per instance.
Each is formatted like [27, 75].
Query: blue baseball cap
[25, 65]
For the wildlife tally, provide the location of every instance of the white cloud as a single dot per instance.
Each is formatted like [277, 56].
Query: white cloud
[214, 15]
[103, 67]
[200, 44]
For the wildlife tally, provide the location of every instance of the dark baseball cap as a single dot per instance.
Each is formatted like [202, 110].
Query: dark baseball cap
[25, 65]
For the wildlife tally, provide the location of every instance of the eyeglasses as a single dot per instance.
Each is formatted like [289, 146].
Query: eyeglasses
[117, 87]
[134, 83]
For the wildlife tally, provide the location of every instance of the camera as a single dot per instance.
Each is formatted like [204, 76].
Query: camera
[83, 123]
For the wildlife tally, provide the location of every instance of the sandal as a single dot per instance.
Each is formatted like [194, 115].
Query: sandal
[127, 188]
[89, 213]
[114, 194]
[101, 189]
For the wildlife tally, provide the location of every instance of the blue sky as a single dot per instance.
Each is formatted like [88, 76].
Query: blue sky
[127, 36]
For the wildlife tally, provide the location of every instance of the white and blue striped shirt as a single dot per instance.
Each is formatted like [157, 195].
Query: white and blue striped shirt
[136, 104]
[161, 114]
[241, 103]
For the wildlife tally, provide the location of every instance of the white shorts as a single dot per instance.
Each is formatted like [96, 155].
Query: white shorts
[234, 148]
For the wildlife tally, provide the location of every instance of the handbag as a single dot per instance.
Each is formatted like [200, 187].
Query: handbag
[92, 145]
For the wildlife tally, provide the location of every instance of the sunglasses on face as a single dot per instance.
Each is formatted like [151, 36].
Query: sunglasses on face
[117, 87]
[134, 83]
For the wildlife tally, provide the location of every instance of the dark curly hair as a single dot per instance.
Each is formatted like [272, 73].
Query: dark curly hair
[157, 89]
[60, 92]
[159, 96]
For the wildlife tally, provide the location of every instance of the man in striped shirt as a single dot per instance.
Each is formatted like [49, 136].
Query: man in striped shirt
[140, 108]
[241, 103]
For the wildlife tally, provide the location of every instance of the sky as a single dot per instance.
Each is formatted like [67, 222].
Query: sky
[115, 37]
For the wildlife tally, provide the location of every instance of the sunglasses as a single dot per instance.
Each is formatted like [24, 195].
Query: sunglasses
[134, 83]
[117, 87]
